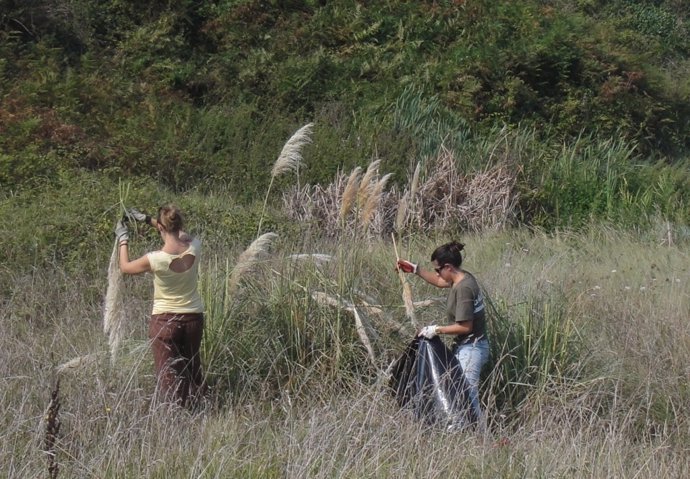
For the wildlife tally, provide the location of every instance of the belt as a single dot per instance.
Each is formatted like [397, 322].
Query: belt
[471, 339]
[178, 317]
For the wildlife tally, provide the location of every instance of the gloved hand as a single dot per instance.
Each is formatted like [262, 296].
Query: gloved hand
[139, 216]
[407, 266]
[121, 232]
[429, 331]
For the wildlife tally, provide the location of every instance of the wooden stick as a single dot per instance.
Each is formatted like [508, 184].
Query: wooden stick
[407, 290]
[395, 247]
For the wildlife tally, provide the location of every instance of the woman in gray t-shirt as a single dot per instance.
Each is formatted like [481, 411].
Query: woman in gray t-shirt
[465, 313]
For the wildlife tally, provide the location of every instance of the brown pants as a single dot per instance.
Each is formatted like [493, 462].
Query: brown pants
[175, 341]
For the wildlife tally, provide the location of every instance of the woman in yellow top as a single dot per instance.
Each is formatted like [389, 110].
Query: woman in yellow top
[177, 319]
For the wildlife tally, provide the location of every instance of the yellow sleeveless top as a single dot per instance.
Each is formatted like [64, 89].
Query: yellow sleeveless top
[175, 292]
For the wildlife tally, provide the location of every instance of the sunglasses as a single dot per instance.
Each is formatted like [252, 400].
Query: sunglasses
[439, 269]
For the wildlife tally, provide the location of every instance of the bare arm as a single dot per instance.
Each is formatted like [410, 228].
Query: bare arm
[137, 266]
[432, 278]
[456, 328]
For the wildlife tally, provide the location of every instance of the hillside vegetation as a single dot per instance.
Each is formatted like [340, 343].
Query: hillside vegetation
[189, 91]
[583, 105]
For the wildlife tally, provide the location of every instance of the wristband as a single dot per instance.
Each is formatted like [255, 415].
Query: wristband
[147, 220]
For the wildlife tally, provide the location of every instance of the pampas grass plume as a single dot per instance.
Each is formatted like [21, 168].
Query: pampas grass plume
[409, 304]
[401, 215]
[315, 257]
[78, 363]
[361, 329]
[350, 192]
[290, 157]
[407, 200]
[113, 315]
[367, 183]
[415, 182]
[250, 258]
[323, 298]
[374, 199]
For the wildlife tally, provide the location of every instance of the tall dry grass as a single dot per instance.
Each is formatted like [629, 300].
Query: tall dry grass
[619, 410]
[438, 197]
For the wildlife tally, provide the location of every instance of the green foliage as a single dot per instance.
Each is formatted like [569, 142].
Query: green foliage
[659, 23]
[64, 221]
[191, 93]
[306, 339]
[587, 180]
[427, 124]
[532, 345]
[70, 217]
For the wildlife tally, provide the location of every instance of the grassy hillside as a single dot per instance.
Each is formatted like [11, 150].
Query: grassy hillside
[189, 92]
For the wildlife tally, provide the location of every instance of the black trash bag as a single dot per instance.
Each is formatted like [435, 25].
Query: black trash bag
[428, 379]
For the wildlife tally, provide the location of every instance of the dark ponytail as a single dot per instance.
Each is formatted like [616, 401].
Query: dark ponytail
[449, 253]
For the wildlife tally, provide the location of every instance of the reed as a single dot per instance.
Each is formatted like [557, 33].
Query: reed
[443, 199]
[406, 291]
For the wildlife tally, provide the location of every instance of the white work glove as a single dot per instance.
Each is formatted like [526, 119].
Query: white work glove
[407, 266]
[429, 331]
[121, 232]
[139, 216]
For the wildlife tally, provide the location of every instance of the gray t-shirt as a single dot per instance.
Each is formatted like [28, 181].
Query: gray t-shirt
[466, 303]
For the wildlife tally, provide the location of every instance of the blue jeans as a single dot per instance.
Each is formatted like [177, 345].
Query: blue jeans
[472, 356]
